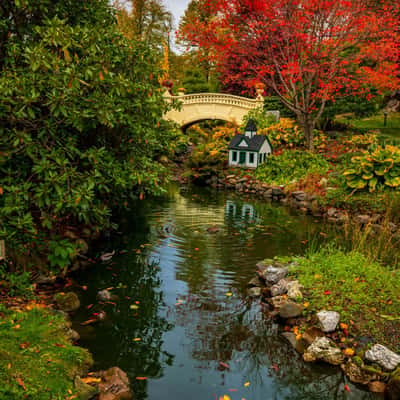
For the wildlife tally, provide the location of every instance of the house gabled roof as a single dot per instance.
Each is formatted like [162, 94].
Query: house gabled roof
[253, 144]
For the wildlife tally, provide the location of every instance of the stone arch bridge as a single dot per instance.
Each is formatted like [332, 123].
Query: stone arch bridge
[202, 106]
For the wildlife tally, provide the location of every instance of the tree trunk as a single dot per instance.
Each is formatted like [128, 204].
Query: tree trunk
[308, 130]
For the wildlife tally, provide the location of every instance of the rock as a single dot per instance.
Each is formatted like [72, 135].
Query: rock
[294, 290]
[291, 338]
[278, 301]
[325, 350]
[312, 333]
[84, 391]
[279, 288]
[104, 295]
[45, 280]
[362, 219]
[213, 229]
[299, 195]
[377, 387]
[328, 320]
[272, 274]
[276, 191]
[331, 212]
[73, 335]
[383, 356]
[290, 310]
[356, 374]
[114, 385]
[256, 281]
[254, 292]
[67, 301]
[393, 388]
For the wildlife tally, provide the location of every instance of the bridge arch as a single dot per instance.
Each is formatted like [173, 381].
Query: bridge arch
[202, 106]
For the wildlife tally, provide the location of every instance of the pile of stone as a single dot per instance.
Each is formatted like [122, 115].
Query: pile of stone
[373, 364]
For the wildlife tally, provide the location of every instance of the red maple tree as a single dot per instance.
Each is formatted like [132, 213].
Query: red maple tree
[305, 51]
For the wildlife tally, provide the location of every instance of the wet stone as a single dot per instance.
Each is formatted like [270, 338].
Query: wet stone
[279, 288]
[272, 274]
[290, 310]
[256, 281]
[325, 350]
[254, 292]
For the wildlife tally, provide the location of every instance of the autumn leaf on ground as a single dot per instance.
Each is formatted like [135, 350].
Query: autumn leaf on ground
[91, 379]
[21, 383]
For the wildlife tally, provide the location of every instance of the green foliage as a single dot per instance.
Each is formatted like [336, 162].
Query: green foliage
[194, 81]
[272, 103]
[291, 165]
[260, 117]
[36, 360]
[81, 125]
[60, 253]
[359, 289]
[375, 170]
[18, 284]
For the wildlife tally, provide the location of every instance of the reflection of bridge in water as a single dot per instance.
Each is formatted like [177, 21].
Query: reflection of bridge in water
[203, 106]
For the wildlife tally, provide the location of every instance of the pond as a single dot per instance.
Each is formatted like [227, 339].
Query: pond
[182, 326]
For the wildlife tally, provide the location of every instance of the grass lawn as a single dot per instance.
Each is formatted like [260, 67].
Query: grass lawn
[36, 360]
[390, 131]
[365, 293]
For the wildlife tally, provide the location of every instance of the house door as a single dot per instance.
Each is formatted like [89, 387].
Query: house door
[242, 157]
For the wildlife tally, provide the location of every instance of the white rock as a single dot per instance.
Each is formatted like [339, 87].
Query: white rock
[328, 320]
[325, 350]
[279, 288]
[294, 290]
[273, 275]
[383, 356]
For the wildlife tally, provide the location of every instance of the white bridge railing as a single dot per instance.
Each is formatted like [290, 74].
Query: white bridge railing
[218, 98]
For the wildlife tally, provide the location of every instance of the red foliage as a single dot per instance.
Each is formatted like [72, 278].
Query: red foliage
[306, 51]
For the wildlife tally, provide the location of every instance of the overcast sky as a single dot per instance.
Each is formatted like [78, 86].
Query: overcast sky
[177, 8]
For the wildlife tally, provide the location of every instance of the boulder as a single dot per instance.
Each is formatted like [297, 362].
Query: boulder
[254, 292]
[299, 195]
[357, 375]
[328, 320]
[312, 333]
[278, 301]
[272, 274]
[383, 356]
[114, 385]
[377, 387]
[256, 281]
[67, 301]
[276, 191]
[298, 345]
[279, 288]
[362, 219]
[294, 290]
[290, 310]
[84, 391]
[393, 388]
[325, 350]
[104, 295]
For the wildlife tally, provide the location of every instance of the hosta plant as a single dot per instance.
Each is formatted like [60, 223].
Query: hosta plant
[375, 169]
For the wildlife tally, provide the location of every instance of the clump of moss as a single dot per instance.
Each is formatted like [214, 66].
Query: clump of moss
[37, 361]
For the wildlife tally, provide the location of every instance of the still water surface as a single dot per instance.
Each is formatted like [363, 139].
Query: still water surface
[182, 308]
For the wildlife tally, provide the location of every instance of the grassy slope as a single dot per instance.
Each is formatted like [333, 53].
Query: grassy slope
[365, 293]
[391, 131]
[36, 360]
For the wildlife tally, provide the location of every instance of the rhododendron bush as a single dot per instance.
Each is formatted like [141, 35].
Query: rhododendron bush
[307, 52]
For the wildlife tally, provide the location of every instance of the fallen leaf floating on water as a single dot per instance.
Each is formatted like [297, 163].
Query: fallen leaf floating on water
[228, 294]
[89, 321]
[141, 378]
[91, 379]
[107, 256]
[134, 307]
[137, 339]
[225, 397]
[246, 384]
[225, 365]
[346, 388]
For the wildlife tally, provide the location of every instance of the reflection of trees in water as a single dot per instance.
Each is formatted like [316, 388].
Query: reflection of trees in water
[137, 283]
[241, 335]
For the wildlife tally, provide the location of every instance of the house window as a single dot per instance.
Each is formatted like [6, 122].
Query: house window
[251, 160]
[265, 156]
[261, 158]
[234, 156]
[242, 157]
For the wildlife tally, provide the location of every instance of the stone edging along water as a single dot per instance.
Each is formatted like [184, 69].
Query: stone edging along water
[299, 200]
[376, 366]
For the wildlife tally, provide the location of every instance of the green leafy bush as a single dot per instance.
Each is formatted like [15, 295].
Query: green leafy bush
[81, 122]
[291, 165]
[375, 169]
